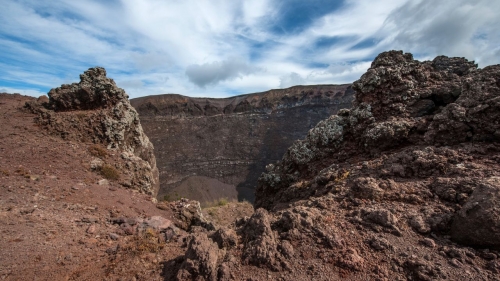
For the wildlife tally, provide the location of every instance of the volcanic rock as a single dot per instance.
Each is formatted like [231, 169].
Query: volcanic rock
[403, 186]
[96, 110]
[188, 213]
[478, 222]
[210, 148]
[201, 260]
[383, 119]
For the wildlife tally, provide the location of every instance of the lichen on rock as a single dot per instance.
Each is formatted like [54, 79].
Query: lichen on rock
[400, 102]
[387, 134]
[95, 110]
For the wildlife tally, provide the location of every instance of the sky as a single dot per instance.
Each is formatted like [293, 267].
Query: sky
[222, 48]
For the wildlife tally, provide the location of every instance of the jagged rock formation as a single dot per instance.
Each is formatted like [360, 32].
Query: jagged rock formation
[403, 186]
[210, 148]
[96, 110]
[400, 104]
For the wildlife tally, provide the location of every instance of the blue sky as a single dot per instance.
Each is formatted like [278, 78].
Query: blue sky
[221, 48]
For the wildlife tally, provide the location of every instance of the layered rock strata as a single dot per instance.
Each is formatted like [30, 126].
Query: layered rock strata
[211, 148]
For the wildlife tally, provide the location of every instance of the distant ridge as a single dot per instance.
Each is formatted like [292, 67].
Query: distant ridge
[175, 104]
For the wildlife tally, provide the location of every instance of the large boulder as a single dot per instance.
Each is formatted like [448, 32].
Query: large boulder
[200, 260]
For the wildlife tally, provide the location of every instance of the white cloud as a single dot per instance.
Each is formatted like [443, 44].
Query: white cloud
[339, 73]
[212, 73]
[255, 10]
[291, 80]
[151, 60]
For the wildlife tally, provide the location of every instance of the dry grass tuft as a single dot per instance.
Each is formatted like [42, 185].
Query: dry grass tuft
[301, 184]
[109, 172]
[218, 203]
[98, 151]
[172, 197]
[147, 242]
[342, 176]
[222, 202]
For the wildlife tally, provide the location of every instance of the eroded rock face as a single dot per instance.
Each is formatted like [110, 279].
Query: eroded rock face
[212, 148]
[96, 110]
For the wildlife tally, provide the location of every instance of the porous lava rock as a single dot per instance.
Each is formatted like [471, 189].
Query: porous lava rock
[201, 260]
[188, 213]
[94, 91]
[96, 110]
[461, 106]
[402, 186]
[478, 222]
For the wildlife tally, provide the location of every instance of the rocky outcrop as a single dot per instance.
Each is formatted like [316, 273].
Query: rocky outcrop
[402, 107]
[402, 186]
[96, 110]
[211, 148]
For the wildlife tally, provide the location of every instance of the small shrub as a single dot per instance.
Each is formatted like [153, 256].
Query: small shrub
[98, 151]
[342, 176]
[172, 197]
[222, 202]
[149, 242]
[245, 201]
[109, 172]
[5, 173]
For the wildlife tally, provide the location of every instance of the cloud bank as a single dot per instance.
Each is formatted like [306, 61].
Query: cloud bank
[221, 48]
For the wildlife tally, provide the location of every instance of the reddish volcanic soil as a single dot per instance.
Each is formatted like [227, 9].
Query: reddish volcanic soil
[55, 219]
